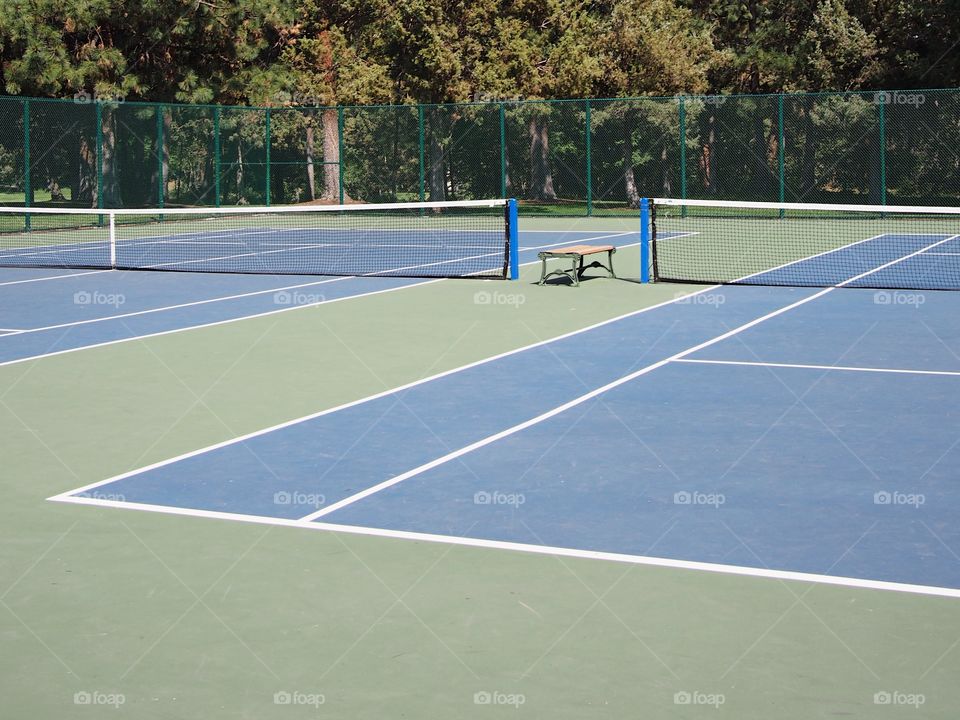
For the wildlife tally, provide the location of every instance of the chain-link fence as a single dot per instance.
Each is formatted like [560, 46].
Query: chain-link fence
[572, 157]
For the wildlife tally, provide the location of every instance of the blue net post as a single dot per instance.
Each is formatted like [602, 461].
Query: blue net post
[644, 240]
[513, 239]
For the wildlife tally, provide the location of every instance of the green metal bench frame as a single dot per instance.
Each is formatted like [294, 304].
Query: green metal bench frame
[577, 267]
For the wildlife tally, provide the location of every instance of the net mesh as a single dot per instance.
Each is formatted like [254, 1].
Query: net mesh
[407, 240]
[806, 244]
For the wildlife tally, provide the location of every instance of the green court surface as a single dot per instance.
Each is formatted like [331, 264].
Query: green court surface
[113, 613]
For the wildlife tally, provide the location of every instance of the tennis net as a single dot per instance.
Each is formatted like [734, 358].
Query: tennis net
[758, 243]
[448, 239]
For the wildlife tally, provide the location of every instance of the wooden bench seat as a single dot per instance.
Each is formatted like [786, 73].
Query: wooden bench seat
[576, 253]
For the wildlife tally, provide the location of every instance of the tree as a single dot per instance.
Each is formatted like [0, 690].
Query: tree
[652, 47]
[105, 50]
[331, 63]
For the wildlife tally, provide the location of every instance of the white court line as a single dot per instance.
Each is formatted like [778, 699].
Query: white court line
[213, 324]
[802, 366]
[234, 297]
[52, 277]
[370, 398]
[595, 237]
[183, 305]
[760, 573]
[595, 392]
[373, 489]
[248, 317]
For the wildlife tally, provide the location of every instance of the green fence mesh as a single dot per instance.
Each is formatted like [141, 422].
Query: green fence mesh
[571, 157]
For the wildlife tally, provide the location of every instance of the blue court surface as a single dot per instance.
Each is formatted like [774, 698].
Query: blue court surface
[773, 431]
[48, 310]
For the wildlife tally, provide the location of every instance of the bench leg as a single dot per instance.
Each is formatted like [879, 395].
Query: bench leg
[610, 263]
[543, 271]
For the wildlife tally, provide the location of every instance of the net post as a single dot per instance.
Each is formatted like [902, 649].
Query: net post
[160, 189]
[683, 153]
[503, 151]
[26, 163]
[513, 239]
[267, 145]
[644, 240]
[340, 153]
[216, 156]
[113, 241]
[588, 131]
[780, 152]
[421, 141]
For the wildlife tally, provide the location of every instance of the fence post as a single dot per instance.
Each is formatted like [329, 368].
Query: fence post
[216, 156]
[882, 112]
[161, 190]
[340, 153]
[420, 145]
[99, 110]
[780, 151]
[589, 163]
[26, 162]
[503, 151]
[683, 153]
[267, 139]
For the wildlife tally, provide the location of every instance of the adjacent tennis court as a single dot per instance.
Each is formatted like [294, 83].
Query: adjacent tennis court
[329, 492]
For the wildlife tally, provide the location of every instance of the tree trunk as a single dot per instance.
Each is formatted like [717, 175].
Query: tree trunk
[436, 172]
[507, 182]
[761, 170]
[541, 175]
[667, 175]
[331, 155]
[311, 190]
[111, 188]
[86, 187]
[241, 200]
[630, 180]
[808, 168]
[165, 159]
[876, 189]
[708, 154]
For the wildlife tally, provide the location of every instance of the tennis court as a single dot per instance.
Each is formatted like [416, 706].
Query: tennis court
[469, 497]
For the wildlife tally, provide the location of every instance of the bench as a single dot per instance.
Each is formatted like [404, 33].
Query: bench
[576, 253]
